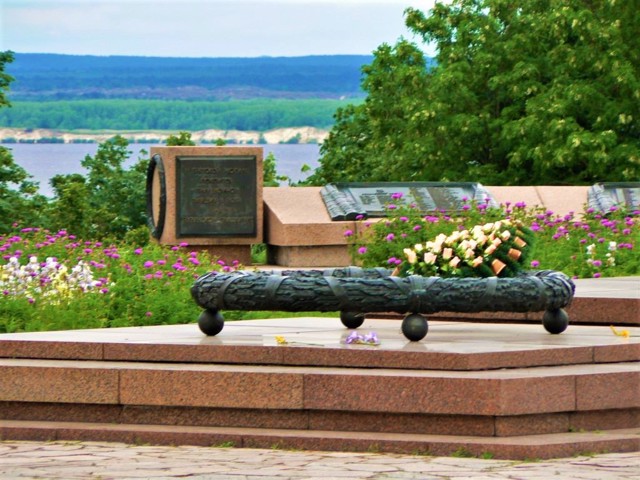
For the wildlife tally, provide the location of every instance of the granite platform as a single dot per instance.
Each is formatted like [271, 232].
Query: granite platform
[509, 389]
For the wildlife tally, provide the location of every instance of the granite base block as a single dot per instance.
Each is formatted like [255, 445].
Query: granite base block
[509, 390]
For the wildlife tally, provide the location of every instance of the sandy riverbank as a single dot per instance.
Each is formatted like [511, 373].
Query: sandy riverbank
[280, 135]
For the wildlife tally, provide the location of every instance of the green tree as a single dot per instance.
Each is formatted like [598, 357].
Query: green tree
[377, 139]
[270, 176]
[5, 79]
[527, 92]
[182, 139]
[70, 209]
[19, 201]
[109, 202]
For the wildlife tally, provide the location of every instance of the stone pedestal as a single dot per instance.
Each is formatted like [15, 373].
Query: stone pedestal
[299, 231]
[207, 197]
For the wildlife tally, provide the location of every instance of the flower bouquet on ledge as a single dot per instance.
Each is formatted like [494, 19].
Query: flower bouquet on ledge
[494, 249]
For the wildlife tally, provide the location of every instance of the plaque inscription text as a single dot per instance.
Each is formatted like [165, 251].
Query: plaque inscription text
[216, 196]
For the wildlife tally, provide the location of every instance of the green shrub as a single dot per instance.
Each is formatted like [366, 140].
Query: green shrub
[62, 282]
[590, 245]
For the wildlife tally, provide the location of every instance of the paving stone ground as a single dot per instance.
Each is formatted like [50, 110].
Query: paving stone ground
[94, 460]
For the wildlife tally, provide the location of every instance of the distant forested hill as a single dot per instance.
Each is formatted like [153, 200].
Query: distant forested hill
[79, 77]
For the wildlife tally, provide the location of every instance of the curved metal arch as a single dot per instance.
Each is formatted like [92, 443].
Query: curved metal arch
[156, 225]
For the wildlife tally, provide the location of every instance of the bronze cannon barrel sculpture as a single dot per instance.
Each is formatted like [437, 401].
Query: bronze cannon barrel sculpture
[355, 291]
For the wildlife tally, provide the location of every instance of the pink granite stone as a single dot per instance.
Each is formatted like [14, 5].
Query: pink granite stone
[32, 433]
[560, 200]
[538, 394]
[563, 200]
[512, 426]
[605, 311]
[609, 390]
[169, 159]
[299, 231]
[309, 256]
[605, 419]
[68, 350]
[184, 385]
[512, 195]
[215, 417]
[537, 446]
[153, 352]
[60, 412]
[622, 352]
[298, 217]
[56, 381]
[401, 423]
[444, 393]
[531, 358]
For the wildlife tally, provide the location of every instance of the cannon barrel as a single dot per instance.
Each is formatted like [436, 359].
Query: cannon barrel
[354, 289]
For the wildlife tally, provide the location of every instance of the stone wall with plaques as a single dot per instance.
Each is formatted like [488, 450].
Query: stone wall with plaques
[208, 197]
[300, 231]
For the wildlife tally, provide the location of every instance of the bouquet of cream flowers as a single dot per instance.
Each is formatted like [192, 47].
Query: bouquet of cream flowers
[494, 249]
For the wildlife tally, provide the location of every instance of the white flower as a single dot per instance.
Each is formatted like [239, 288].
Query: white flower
[430, 258]
[411, 255]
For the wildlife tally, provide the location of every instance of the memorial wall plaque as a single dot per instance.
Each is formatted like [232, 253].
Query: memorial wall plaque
[347, 201]
[604, 196]
[216, 196]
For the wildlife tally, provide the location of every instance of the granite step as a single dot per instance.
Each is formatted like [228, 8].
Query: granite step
[508, 402]
[513, 391]
[517, 391]
[320, 342]
[517, 448]
[311, 420]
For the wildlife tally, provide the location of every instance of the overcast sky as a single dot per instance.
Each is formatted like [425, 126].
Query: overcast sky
[203, 28]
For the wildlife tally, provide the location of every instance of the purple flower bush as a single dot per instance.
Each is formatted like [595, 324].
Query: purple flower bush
[584, 245]
[55, 281]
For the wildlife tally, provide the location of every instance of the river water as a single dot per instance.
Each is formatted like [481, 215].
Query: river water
[44, 160]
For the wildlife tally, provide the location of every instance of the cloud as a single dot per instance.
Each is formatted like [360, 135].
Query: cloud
[209, 28]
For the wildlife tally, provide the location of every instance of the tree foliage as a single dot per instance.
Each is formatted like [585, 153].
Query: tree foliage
[108, 203]
[182, 139]
[256, 114]
[527, 92]
[18, 194]
[19, 198]
[5, 78]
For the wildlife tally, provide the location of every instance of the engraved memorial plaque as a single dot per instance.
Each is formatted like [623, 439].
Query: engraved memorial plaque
[602, 197]
[216, 196]
[346, 201]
